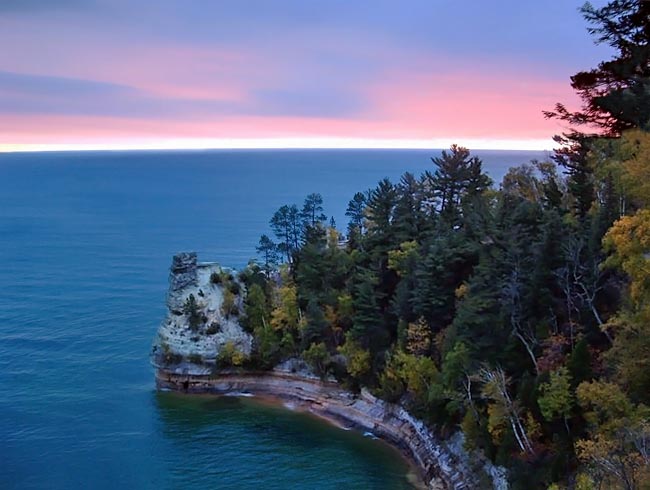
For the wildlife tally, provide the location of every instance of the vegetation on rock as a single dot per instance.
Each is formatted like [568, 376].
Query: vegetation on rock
[191, 310]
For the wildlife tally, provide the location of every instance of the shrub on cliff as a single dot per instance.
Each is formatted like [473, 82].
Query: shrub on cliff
[194, 316]
[256, 309]
[229, 355]
[213, 328]
[268, 349]
[195, 358]
[318, 358]
[229, 306]
[234, 288]
[168, 356]
[358, 360]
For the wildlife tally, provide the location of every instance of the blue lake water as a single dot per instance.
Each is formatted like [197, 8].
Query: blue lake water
[86, 240]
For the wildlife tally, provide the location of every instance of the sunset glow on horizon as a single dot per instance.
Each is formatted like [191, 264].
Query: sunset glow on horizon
[287, 143]
[108, 74]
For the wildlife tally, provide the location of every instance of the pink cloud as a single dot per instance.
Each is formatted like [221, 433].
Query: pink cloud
[453, 103]
[471, 105]
[209, 71]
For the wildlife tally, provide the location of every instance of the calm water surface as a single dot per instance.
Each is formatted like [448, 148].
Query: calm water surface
[85, 244]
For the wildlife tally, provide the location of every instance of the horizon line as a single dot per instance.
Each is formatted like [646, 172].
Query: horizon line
[317, 143]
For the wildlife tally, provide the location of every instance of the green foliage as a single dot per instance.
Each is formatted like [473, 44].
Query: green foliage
[288, 227]
[579, 363]
[273, 316]
[269, 252]
[401, 260]
[358, 360]
[456, 366]
[215, 278]
[634, 157]
[256, 308]
[457, 177]
[168, 356]
[379, 209]
[315, 324]
[234, 287]
[367, 323]
[409, 216]
[415, 376]
[230, 355]
[195, 358]
[603, 403]
[268, 346]
[191, 310]
[312, 211]
[318, 358]
[446, 263]
[356, 212]
[229, 304]
[286, 314]
[556, 398]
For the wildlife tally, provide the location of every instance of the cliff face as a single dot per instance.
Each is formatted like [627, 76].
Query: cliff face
[203, 321]
[197, 327]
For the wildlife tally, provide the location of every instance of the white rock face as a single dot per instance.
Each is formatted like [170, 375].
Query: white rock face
[177, 338]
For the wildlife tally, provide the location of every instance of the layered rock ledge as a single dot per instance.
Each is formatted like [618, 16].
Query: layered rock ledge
[442, 465]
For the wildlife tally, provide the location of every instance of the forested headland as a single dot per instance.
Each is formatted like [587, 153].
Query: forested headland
[517, 311]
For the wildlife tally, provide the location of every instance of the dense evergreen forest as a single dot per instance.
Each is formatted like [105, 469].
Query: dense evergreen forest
[517, 312]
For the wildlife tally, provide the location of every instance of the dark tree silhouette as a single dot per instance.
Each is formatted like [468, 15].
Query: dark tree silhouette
[616, 94]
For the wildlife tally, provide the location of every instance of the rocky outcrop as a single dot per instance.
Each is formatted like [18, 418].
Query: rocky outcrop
[202, 319]
[183, 274]
[440, 466]
[197, 327]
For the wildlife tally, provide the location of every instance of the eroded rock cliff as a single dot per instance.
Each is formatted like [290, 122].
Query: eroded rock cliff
[203, 307]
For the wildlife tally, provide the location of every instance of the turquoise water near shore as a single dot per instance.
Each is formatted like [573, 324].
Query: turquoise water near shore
[85, 244]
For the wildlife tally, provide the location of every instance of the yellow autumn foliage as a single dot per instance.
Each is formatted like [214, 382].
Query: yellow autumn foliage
[628, 240]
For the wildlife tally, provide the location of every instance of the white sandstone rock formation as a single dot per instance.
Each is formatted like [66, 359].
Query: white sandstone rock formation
[192, 347]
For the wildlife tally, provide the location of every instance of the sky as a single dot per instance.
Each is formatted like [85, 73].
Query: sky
[122, 74]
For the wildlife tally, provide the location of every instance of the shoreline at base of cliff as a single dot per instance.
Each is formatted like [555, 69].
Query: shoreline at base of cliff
[414, 473]
[438, 465]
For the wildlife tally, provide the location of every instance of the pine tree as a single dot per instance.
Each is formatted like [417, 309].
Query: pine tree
[312, 210]
[269, 252]
[573, 156]
[288, 227]
[315, 329]
[355, 211]
[367, 323]
[256, 308]
[356, 226]
[408, 216]
[457, 176]
[379, 209]
[616, 94]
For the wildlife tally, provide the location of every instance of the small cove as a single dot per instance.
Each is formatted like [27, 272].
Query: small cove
[261, 441]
